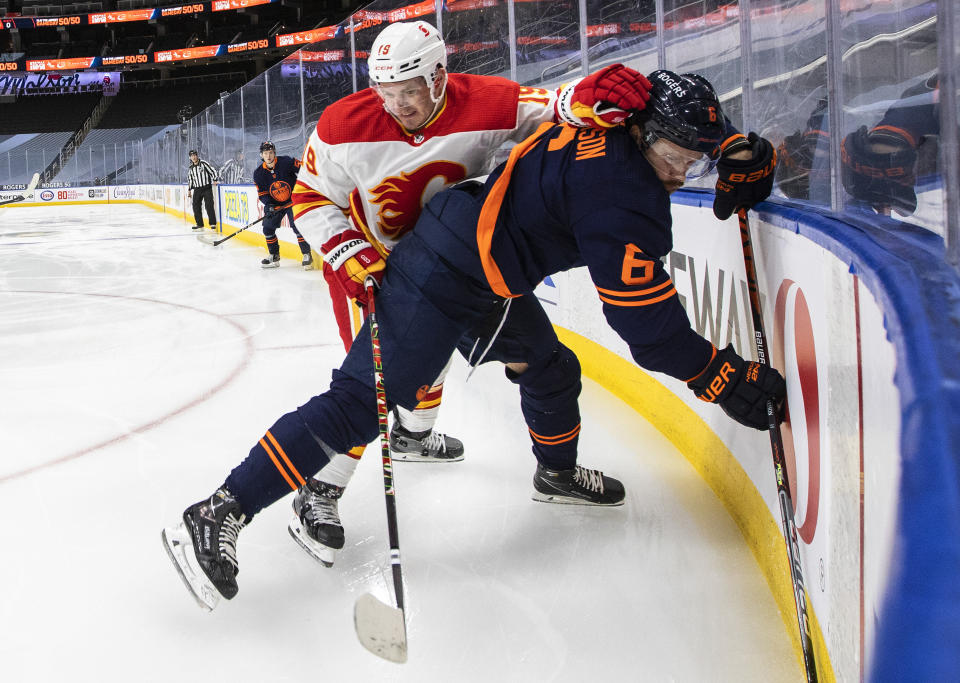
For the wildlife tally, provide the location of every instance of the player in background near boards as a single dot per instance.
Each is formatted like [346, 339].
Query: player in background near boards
[233, 172]
[566, 197]
[275, 179]
[374, 159]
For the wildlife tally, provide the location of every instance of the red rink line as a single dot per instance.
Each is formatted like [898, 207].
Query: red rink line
[203, 396]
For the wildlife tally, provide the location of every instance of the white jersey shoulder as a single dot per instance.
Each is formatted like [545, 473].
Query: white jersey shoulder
[361, 169]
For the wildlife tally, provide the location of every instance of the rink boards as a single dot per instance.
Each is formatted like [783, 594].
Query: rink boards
[844, 315]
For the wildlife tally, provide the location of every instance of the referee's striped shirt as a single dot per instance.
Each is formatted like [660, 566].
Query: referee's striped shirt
[200, 175]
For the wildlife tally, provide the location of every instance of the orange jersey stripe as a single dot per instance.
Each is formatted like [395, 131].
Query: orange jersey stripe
[487, 222]
[555, 440]
[646, 302]
[730, 140]
[712, 356]
[423, 405]
[639, 292]
[898, 131]
[286, 459]
[276, 463]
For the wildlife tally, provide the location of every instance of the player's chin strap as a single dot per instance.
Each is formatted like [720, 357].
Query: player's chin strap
[496, 333]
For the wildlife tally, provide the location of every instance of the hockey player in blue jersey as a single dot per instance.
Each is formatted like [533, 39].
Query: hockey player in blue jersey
[275, 179]
[463, 279]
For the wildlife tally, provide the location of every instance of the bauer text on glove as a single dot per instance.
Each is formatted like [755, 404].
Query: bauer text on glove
[741, 388]
[880, 173]
[352, 258]
[603, 99]
[744, 182]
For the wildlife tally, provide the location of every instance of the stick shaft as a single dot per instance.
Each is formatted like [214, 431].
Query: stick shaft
[779, 463]
[388, 487]
[234, 234]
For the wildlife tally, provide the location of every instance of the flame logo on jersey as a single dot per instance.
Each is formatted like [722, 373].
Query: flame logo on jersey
[400, 198]
[280, 190]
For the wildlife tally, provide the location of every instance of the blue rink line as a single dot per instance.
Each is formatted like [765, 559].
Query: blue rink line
[905, 268]
[96, 239]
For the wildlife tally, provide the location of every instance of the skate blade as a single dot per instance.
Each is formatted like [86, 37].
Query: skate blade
[178, 545]
[321, 553]
[381, 628]
[416, 457]
[565, 500]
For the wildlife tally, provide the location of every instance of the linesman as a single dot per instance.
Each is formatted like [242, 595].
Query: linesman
[200, 179]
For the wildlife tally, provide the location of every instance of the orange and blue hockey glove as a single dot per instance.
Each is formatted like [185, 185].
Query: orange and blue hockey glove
[741, 388]
[352, 258]
[884, 179]
[603, 99]
[743, 183]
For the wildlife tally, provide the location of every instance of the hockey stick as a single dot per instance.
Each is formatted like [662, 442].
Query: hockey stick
[382, 629]
[779, 464]
[206, 238]
[30, 188]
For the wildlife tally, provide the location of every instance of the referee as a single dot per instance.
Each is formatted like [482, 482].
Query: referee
[200, 179]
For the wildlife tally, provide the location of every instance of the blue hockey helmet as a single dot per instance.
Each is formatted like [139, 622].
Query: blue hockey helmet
[684, 109]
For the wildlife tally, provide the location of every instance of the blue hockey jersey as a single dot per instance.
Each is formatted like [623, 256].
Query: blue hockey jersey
[275, 186]
[570, 197]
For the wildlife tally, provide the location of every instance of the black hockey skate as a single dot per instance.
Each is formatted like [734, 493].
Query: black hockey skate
[577, 486]
[429, 446]
[272, 261]
[316, 521]
[307, 261]
[204, 547]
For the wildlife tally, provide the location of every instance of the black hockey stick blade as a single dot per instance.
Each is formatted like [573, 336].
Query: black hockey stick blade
[381, 628]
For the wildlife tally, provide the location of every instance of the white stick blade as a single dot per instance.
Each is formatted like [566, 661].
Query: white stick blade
[381, 628]
[208, 237]
[32, 185]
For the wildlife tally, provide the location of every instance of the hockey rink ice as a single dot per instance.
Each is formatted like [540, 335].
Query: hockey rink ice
[139, 365]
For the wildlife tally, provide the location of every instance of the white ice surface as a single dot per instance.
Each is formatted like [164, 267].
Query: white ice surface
[138, 366]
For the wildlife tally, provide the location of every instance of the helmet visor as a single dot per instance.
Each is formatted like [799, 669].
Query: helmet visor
[674, 160]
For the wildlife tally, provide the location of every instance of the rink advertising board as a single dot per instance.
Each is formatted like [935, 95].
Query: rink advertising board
[70, 195]
[827, 334]
[238, 206]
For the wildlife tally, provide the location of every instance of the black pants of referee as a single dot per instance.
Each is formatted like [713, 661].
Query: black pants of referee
[203, 195]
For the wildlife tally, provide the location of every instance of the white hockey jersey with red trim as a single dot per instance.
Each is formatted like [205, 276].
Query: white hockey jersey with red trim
[362, 169]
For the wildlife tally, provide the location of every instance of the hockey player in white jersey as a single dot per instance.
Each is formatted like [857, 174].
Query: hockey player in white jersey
[374, 159]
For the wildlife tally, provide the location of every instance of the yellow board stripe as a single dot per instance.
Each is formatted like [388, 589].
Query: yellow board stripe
[713, 461]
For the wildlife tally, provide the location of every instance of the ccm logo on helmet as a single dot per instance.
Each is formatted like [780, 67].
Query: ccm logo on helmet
[670, 83]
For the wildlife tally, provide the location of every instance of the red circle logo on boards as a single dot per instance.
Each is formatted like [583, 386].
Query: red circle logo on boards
[801, 426]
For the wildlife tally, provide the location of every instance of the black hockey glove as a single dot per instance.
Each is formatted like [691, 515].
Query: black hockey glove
[743, 183]
[741, 388]
[796, 173]
[882, 179]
